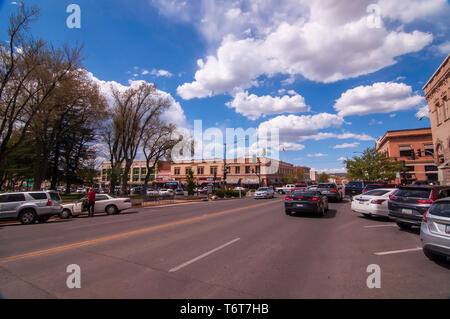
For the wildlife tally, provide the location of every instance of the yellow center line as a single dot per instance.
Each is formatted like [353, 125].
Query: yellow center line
[127, 234]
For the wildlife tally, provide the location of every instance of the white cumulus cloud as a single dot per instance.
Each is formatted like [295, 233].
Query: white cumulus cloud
[381, 97]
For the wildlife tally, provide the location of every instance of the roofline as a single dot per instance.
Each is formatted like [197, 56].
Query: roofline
[409, 129]
[439, 67]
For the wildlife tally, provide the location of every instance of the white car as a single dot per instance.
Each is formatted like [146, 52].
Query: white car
[373, 203]
[103, 204]
[152, 192]
[264, 192]
[164, 191]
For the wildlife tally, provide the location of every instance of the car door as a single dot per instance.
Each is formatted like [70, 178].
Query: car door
[9, 207]
[100, 203]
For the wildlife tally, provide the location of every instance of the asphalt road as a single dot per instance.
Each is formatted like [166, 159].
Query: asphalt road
[241, 248]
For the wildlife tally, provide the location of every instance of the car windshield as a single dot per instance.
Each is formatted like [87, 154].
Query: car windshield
[416, 193]
[326, 186]
[377, 192]
[304, 193]
[440, 209]
[262, 189]
[355, 184]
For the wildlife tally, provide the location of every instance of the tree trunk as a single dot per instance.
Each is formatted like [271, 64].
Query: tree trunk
[124, 190]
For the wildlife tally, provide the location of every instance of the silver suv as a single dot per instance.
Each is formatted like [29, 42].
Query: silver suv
[29, 207]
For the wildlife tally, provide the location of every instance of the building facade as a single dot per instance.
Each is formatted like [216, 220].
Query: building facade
[137, 174]
[437, 93]
[240, 172]
[415, 148]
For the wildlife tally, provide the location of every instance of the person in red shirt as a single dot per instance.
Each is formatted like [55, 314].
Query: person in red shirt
[91, 202]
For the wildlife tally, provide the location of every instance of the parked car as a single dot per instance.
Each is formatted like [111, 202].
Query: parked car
[354, 188]
[435, 230]
[136, 190]
[285, 189]
[29, 207]
[408, 204]
[103, 203]
[152, 192]
[331, 190]
[81, 190]
[264, 192]
[179, 191]
[370, 187]
[373, 203]
[306, 201]
[165, 192]
[242, 189]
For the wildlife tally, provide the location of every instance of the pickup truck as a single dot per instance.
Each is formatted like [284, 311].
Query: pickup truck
[286, 189]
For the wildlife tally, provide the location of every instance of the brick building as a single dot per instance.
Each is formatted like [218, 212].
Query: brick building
[437, 92]
[415, 148]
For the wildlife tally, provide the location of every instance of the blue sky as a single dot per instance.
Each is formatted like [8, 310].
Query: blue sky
[321, 71]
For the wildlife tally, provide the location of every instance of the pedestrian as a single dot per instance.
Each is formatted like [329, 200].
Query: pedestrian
[91, 202]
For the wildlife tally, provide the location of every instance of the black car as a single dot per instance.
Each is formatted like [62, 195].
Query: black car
[331, 191]
[306, 201]
[408, 204]
[354, 188]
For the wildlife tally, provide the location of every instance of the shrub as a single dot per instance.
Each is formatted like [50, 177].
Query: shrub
[219, 193]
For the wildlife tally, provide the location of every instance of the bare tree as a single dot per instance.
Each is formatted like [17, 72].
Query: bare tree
[134, 110]
[156, 145]
[30, 70]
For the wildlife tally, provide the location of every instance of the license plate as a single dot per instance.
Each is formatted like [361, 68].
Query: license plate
[407, 211]
[447, 229]
[299, 205]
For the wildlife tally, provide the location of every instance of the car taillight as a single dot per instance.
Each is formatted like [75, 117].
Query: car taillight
[377, 201]
[49, 202]
[314, 199]
[288, 198]
[334, 191]
[426, 201]
[392, 197]
[424, 219]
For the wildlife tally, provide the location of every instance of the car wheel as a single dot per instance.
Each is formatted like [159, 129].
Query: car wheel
[287, 211]
[366, 215]
[434, 257]
[65, 214]
[404, 226]
[27, 217]
[43, 219]
[111, 210]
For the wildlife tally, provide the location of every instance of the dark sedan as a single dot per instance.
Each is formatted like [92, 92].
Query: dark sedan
[332, 191]
[306, 201]
[409, 203]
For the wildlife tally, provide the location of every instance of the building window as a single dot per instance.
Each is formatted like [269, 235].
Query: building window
[428, 150]
[200, 170]
[447, 114]
[409, 168]
[237, 170]
[406, 151]
[135, 171]
[247, 169]
[176, 171]
[213, 170]
[439, 114]
[432, 176]
[144, 171]
[187, 170]
[431, 168]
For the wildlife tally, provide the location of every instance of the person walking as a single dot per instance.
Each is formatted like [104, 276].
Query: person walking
[91, 202]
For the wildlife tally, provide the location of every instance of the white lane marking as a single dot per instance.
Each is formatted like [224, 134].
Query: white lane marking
[171, 205]
[375, 226]
[203, 255]
[398, 251]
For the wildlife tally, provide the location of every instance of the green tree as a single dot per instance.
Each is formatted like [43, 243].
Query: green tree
[323, 177]
[190, 182]
[373, 166]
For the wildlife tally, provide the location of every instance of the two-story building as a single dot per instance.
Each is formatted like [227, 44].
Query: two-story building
[415, 148]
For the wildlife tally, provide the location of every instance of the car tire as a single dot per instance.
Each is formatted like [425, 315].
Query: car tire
[43, 219]
[404, 226]
[434, 257]
[111, 210]
[287, 212]
[366, 215]
[65, 214]
[27, 217]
